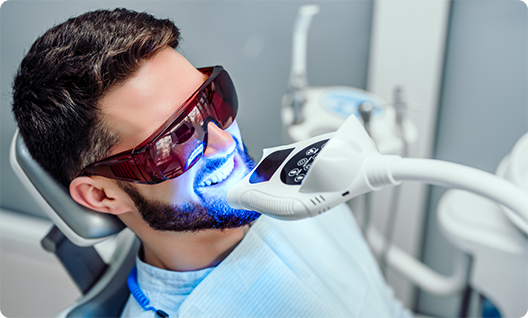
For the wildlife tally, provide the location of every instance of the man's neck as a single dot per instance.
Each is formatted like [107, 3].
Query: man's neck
[190, 251]
[183, 251]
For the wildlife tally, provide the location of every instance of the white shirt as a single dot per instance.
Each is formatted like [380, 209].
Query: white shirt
[318, 267]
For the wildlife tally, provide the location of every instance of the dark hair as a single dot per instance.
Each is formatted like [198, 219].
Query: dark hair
[64, 75]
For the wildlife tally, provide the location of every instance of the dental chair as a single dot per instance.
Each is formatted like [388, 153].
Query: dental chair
[74, 237]
[482, 229]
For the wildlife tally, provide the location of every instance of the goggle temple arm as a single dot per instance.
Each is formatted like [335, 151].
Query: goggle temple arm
[121, 168]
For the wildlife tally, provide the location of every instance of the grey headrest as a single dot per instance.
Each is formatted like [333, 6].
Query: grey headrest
[81, 225]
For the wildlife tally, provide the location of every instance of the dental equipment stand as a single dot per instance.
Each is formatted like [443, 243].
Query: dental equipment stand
[309, 111]
[499, 270]
[308, 178]
[479, 227]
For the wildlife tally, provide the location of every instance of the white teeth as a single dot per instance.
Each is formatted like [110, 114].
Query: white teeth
[221, 174]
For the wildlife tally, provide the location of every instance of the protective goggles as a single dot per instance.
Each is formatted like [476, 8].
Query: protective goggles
[181, 141]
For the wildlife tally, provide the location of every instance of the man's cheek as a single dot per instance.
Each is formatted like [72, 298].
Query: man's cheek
[234, 130]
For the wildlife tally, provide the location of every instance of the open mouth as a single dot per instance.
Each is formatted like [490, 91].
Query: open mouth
[220, 174]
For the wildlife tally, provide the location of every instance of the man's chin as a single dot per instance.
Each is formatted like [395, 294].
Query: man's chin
[211, 214]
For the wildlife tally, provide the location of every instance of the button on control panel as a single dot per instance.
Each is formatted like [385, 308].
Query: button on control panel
[297, 167]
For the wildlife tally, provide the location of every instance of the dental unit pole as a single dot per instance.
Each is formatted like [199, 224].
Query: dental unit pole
[298, 77]
[365, 110]
[308, 178]
[399, 106]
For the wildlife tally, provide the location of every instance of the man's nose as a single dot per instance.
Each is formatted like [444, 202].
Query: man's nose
[219, 142]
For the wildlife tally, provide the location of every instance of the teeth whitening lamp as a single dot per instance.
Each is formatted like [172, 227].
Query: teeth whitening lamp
[307, 178]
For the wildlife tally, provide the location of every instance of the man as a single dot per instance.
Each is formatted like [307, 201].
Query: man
[106, 104]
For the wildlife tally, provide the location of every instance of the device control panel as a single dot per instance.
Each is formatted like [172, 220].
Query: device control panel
[297, 167]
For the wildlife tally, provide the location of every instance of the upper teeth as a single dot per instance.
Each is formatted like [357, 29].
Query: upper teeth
[220, 174]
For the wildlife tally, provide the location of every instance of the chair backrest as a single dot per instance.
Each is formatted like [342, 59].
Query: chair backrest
[108, 296]
[81, 225]
[103, 285]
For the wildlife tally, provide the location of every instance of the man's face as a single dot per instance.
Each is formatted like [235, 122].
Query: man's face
[196, 199]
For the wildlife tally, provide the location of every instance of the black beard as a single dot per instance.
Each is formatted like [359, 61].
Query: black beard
[213, 213]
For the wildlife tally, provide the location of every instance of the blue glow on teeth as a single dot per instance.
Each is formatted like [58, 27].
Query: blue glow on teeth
[220, 175]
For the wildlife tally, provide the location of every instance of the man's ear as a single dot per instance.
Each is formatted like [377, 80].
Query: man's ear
[101, 195]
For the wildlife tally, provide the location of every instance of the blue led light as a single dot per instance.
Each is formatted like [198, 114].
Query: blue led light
[198, 151]
[344, 102]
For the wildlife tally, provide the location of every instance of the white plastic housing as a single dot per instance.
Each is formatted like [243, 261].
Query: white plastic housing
[347, 165]
[335, 177]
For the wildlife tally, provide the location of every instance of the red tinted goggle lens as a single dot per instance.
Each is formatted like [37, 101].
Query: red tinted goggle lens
[179, 143]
